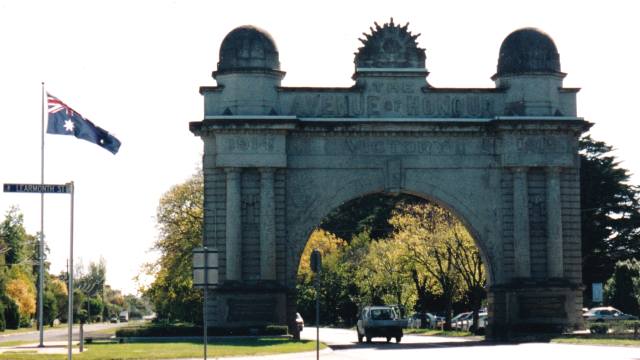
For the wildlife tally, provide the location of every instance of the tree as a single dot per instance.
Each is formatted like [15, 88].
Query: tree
[11, 313]
[368, 214]
[440, 252]
[14, 237]
[334, 290]
[469, 265]
[622, 290]
[610, 213]
[385, 269]
[179, 219]
[21, 289]
[49, 307]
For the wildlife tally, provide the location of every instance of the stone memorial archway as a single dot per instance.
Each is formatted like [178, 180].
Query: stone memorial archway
[505, 160]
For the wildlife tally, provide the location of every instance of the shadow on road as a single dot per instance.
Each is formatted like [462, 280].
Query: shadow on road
[382, 345]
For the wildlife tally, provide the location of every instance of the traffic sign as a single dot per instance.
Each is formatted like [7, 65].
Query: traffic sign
[38, 188]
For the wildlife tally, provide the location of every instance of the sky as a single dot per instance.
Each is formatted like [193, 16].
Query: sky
[134, 68]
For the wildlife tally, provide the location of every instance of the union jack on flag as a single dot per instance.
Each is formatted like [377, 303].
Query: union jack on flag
[63, 120]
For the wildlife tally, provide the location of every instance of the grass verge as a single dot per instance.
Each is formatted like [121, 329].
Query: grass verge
[596, 341]
[172, 350]
[29, 329]
[14, 343]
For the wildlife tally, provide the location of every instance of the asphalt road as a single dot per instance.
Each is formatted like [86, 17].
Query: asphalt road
[344, 345]
[58, 334]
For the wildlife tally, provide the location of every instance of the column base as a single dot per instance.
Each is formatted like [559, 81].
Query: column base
[248, 304]
[527, 307]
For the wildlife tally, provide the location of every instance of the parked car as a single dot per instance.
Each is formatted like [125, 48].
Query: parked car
[601, 314]
[380, 321]
[432, 321]
[483, 319]
[299, 322]
[462, 320]
[113, 320]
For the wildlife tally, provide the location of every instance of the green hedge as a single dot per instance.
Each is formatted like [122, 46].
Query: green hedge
[165, 330]
[625, 327]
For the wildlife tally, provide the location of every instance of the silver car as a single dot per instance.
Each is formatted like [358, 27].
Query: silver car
[600, 314]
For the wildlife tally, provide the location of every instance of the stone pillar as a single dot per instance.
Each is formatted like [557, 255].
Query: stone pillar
[267, 225]
[234, 225]
[555, 266]
[521, 223]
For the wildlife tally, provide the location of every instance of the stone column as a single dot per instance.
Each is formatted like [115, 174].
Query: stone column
[234, 225]
[521, 223]
[267, 225]
[555, 266]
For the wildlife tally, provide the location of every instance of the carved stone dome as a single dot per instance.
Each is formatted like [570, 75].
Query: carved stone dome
[528, 50]
[390, 46]
[248, 48]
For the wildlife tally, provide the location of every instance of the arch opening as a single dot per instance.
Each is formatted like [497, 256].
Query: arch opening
[405, 249]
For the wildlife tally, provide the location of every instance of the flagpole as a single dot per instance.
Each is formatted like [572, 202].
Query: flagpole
[71, 188]
[41, 246]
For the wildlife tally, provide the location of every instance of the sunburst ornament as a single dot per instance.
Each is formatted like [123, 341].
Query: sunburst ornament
[390, 46]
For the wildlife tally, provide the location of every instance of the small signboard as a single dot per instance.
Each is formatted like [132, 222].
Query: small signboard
[205, 262]
[596, 291]
[38, 188]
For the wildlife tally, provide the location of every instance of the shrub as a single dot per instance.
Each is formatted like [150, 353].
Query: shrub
[11, 313]
[179, 330]
[598, 328]
[3, 324]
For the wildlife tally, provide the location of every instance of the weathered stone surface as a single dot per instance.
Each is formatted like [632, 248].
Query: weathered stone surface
[277, 160]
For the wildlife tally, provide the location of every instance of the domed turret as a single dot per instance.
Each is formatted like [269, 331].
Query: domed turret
[248, 48]
[248, 73]
[528, 50]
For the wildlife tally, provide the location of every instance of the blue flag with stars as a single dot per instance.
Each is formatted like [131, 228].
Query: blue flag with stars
[63, 120]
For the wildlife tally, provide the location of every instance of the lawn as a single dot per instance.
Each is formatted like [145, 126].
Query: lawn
[597, 341]
[172, 350]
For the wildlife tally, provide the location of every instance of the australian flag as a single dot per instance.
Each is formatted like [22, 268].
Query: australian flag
[63, 120]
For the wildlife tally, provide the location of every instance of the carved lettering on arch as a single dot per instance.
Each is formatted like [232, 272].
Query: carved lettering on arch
[252, 144]
[392, 99]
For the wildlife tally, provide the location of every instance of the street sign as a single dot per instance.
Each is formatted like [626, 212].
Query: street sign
[37, 188]
[596, 291]
[316, 261]
[205, 272]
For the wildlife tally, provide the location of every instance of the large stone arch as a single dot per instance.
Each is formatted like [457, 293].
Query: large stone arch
[300, 228]
[278, 159]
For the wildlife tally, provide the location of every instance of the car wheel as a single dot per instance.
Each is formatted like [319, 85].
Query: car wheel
[368, 339]
[388, 338]
[360, 338]
[398, 338]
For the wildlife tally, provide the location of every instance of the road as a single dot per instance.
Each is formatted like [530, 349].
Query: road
[345, 346]
[58, 334]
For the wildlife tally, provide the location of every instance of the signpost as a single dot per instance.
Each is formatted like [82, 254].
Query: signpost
[316, 267]
[49, 189]
[205, 275]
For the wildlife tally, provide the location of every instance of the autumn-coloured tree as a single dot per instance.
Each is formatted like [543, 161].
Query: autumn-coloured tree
[21, 289]
[384, 270]
[439, 252]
